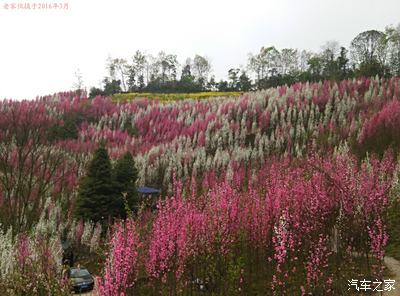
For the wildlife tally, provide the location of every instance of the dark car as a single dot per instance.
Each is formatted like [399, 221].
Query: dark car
[81, 279]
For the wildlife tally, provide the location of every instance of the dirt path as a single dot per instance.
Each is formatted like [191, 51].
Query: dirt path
[394, 267]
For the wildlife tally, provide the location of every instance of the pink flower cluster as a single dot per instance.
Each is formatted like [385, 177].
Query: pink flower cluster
[288, 215]
[120, 268]
[386, 121]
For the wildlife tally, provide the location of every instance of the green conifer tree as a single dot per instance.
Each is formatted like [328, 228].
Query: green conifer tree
[125, 176]
[96, 199]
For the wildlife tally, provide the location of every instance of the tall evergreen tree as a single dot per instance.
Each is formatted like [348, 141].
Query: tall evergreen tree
[342, 62]
[125, 176]
[97, 192]
[244, 82]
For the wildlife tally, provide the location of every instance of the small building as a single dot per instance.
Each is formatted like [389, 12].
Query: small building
[148, 190]
[149, 196]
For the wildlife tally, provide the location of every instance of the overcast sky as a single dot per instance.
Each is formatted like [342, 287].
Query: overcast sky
[40, 50]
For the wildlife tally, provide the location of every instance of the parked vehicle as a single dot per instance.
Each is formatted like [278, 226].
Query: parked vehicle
[81, 279]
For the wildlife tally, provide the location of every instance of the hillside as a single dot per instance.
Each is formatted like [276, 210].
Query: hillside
[273, 190]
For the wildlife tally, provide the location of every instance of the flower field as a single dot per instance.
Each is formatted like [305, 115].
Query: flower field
[285, 191]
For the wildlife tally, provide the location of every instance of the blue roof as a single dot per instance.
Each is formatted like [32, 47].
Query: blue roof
[148, 190]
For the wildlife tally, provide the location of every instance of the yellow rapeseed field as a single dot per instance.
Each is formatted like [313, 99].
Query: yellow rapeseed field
[172, 96]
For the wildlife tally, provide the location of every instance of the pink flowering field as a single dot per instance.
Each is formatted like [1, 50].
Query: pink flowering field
[285, 191]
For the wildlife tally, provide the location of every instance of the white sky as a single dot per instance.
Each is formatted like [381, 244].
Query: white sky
[41, 50]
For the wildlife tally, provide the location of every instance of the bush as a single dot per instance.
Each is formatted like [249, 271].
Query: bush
[382, 130]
